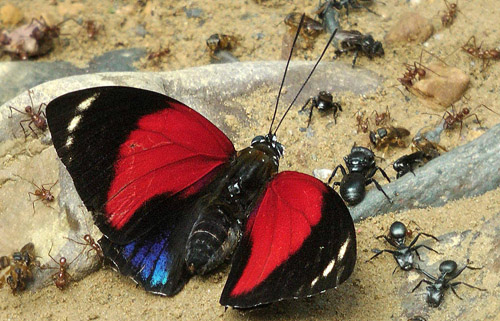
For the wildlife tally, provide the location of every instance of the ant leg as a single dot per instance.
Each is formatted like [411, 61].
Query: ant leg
[368, 181]
[418, 235]
[383, 173]
[305, 105]
[52, 258]
[394, 271]
[425, 247]
[22, 127]
[466, 284]
[355, 58]
[43, 185]
[378, 252]
[22, 112]
[29, 125]
[310, 116]
[420, 283]
[388, 240]
[342, 169]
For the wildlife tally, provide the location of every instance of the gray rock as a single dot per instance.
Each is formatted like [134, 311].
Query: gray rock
[474, 300]
[140, 30]
[193, 12]
[213, 96]
[17, 77]
[116, 60]
[466, 171]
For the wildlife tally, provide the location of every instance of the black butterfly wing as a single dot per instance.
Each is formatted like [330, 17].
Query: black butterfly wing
[298, 241]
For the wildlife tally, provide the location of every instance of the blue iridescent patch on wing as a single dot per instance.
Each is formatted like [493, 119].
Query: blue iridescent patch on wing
[151, 260]
[160, 274]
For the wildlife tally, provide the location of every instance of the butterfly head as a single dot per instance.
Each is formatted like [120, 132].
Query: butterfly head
[269, 142]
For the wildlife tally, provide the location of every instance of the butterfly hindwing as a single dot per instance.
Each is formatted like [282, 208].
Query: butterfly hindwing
[298, 241]
[155, 260]
[126, 148]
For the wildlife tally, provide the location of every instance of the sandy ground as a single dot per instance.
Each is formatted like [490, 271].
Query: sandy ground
[372, 293]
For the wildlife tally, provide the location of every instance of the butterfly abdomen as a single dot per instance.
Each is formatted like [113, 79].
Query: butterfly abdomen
[213, 238]
[218, 228]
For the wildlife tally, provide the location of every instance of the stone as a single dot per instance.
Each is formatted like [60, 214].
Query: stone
[466, 171]
[10, 15]
[17, 77]
[443, 86]
[411, 27]
[486, 235]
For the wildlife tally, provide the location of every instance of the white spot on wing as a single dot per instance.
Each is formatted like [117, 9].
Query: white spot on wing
[343, 248]
[69, 141]
[87, 102]
[313, 283]
[74, 122]
[329, 268]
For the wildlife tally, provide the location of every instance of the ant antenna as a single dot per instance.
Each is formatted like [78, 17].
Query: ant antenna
[286, 69]
[305, 82]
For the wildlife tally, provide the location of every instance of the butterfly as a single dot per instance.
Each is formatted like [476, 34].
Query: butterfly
[174, 198]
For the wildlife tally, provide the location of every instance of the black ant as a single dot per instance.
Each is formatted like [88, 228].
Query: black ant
[338, 4]
[37, 118]
[403, 254]
[323, 102]
[485, 55]
[408, 163]
[449, 16]
[438, 285]
[355, 41]
[361, 165]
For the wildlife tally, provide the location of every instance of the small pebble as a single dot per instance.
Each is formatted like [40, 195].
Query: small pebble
[140, 31]
[322, 173]
[10, 15]
[444, 86]
[412, 27]
[193, 12]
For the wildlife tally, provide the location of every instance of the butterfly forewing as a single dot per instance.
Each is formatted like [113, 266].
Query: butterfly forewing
[299, 241]
[125, 146]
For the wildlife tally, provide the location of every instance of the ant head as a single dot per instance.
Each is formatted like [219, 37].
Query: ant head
[28, 109]
[62, 261]
[325, 95]
[398, 230]
[465, 111]
[421, 72]
[87, 238]
[378, 50]
[448, 267]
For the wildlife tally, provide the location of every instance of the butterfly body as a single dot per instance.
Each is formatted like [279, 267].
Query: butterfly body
[224, 212]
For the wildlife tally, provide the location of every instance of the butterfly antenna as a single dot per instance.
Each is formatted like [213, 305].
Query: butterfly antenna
[286, 69]
[307, 79]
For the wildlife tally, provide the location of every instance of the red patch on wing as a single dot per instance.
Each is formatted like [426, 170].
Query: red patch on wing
[171, 151]
[277, 228]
